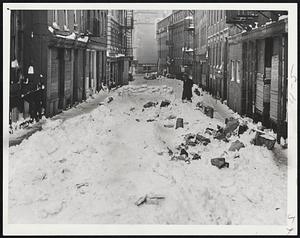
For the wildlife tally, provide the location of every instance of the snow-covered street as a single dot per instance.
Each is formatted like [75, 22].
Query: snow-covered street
[94, 167]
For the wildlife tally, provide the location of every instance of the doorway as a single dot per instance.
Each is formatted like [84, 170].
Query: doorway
[61, 78]
[76, 75]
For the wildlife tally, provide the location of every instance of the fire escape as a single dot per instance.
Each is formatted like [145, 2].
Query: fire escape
[189, 48]
[128, 32]
[247, 20]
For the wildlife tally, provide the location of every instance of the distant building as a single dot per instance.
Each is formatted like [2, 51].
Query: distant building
[201, 72]
[144, 39]
[181, 42]
[119, 46]
[163, 42]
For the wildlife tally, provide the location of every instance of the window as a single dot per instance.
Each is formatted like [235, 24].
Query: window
[81, 20]
[237, 71]
[66, 17]
[101, 22]
[232, 70]
[75, 17]
[55, 17]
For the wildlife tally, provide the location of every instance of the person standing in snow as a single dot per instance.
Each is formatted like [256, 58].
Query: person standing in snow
[187, 88]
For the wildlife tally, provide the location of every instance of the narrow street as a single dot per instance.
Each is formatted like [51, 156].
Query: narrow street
[93, 167]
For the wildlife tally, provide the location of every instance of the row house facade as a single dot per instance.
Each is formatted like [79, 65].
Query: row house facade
[201, 46]
[57, 59]
[240, 57]
[179, 39]
[119, 46]
[217, 33]
[257, 66]
[162, 37]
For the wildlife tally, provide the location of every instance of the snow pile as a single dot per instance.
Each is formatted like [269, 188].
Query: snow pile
[94, 167]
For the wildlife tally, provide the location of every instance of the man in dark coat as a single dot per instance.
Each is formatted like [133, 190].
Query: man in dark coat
[187, 88]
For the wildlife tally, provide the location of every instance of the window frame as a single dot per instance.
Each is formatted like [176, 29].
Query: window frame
[55, 16]
[237, 71]
[66, 22]
[233, 74]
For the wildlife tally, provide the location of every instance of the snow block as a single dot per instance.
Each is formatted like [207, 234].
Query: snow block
[202, 139]
[218, 162]
[191, 143]
[209, 111]
[183, 152]
[179, 123]
[209, 131]
[149, 104]
[263, 139]
[236, 146]
[231, 125]
[199, 105]
[221, 136]
[165, 103]
[242, 129]
[189, 136]
[109, 99]
[197, 92]
[196, 157]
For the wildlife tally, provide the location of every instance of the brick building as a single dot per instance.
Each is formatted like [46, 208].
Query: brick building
[57, 59]
[201, 46]
[119, 46]
[181, 42]
[217, 33]
[162, 37]
[257, 66]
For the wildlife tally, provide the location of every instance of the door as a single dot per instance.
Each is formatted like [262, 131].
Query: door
[61, 78]
[267, 80]
[260, 76]
[98, 70]
[75, 77]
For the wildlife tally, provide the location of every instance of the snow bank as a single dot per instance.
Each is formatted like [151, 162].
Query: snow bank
[93, 168]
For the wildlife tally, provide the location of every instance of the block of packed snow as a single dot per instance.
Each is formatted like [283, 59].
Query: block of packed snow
[242, 129]
[149, 104]
[219, 162]
[179, 123]
[231, 125]
[267, 140]
[196, 157]
[204, 140]
[236, 146]
[197, 92]
[165, 103]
